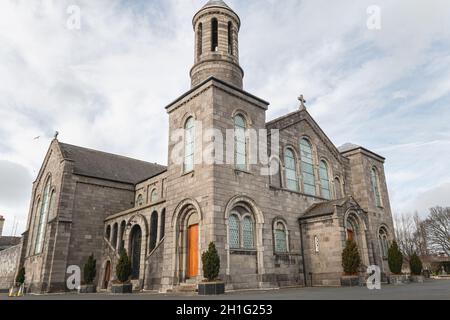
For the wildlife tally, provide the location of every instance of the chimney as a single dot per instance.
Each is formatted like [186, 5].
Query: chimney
[2, 221]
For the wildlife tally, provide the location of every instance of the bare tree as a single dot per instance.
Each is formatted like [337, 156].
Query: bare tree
[438, 229]
[411, 235]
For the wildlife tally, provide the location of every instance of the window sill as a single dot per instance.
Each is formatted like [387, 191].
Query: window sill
[246, 252]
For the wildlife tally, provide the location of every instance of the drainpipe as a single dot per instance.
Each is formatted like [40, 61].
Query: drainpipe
[303, 255]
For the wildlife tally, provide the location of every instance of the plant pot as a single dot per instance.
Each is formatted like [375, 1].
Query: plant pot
[88, 288]
[398, 279]
[211, 288]
[417, 279]
[350, 281]
[122, 288]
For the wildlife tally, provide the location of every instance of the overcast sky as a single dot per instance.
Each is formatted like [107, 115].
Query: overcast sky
[105, 85]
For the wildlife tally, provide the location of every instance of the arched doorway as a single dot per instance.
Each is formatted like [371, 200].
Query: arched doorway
[356, 231]
[135, 251]
[107, 276]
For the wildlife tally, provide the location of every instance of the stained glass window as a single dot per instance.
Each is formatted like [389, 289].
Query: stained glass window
[324, 180]
[247, 233]
[280, 238]
[309, 180]
[240, 144]
[233, 225]
[189, 139]
[291, 170]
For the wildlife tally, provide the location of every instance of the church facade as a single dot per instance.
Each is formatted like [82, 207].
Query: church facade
[285, 228]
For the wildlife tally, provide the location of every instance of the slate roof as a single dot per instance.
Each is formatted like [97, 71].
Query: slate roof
[323, 208]
[107, 166]
[216, 3]
[6, 242]
[347, 147]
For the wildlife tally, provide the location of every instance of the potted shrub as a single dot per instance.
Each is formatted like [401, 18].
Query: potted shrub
[89, 272]
[211, 267]
[123, 273]
[395, 261]
[416, 267]
[351, 261]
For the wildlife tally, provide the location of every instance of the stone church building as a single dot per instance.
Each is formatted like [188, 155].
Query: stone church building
[287, 228]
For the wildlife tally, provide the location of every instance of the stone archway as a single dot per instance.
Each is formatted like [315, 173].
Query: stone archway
[356, 230]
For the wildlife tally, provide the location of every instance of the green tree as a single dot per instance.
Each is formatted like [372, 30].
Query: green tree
[351, 260]
[123, 268]
[20, 278]
[211, 263]
[395, 259]
[90, 270]
[415, 264]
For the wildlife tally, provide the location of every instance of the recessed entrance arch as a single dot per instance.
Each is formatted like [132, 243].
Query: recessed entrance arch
[135, 251]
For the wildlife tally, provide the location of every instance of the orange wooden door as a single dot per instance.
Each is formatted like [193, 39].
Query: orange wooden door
[193, 251]
[350, 235]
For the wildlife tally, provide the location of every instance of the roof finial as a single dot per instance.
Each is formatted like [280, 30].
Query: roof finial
[302, 102]
[56, 135]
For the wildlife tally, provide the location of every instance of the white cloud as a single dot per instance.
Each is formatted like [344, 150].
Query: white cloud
[106, 85]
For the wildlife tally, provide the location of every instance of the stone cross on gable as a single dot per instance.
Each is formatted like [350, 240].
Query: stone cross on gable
[302, 102]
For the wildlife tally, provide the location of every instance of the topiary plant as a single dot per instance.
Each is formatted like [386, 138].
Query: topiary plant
[415, 264]
[351, 260]
[20, 278]
[90, 270]
[123, 268]
[211, 263]
[395, 259]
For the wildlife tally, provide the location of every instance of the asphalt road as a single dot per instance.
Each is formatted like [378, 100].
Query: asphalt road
[430, 290]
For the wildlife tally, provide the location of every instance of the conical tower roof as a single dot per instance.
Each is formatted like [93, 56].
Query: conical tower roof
[216, 3]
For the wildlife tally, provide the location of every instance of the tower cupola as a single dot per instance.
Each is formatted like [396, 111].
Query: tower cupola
[216, 28]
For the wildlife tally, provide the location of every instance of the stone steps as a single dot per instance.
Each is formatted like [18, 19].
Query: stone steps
[186, 288]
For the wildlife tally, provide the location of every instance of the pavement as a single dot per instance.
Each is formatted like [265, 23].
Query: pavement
[430, 290]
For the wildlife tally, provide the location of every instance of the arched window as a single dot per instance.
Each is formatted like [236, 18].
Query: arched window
[199, 40]
[383, 242]
[240, 143]
[123, 225]
[115, 234]
[233, 225]
[324, 180]
[43, 215]
[337, 188]
[153, 230]
[108, 233]
[247, 233]
[280, 238]
[309, 179]
[214, 35]
[189, 145]
[140, 200]
[291, 170]
[162, 232]
[230, 38]
[376, 187]
[154, 196]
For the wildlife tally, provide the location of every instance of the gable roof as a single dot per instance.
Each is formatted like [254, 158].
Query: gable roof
[324, 208]
[107, 166]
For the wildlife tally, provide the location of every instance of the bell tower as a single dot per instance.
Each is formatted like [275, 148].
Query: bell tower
[216, 28]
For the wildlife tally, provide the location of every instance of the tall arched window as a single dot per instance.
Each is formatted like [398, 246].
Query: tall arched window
[280, 238]
[199, 40]
[153, 230]
[123, 225]
[162, 231]
[214, 35]
[291, 170]
[108, 233]
[337, 188]
[240, 143]
[115, 234]
[189, 139]
[383, 242]
[376, 187]
[230, 38]
[154, 196]
[309, 179]
[43, 215]
[233, 227]
[324, 180]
